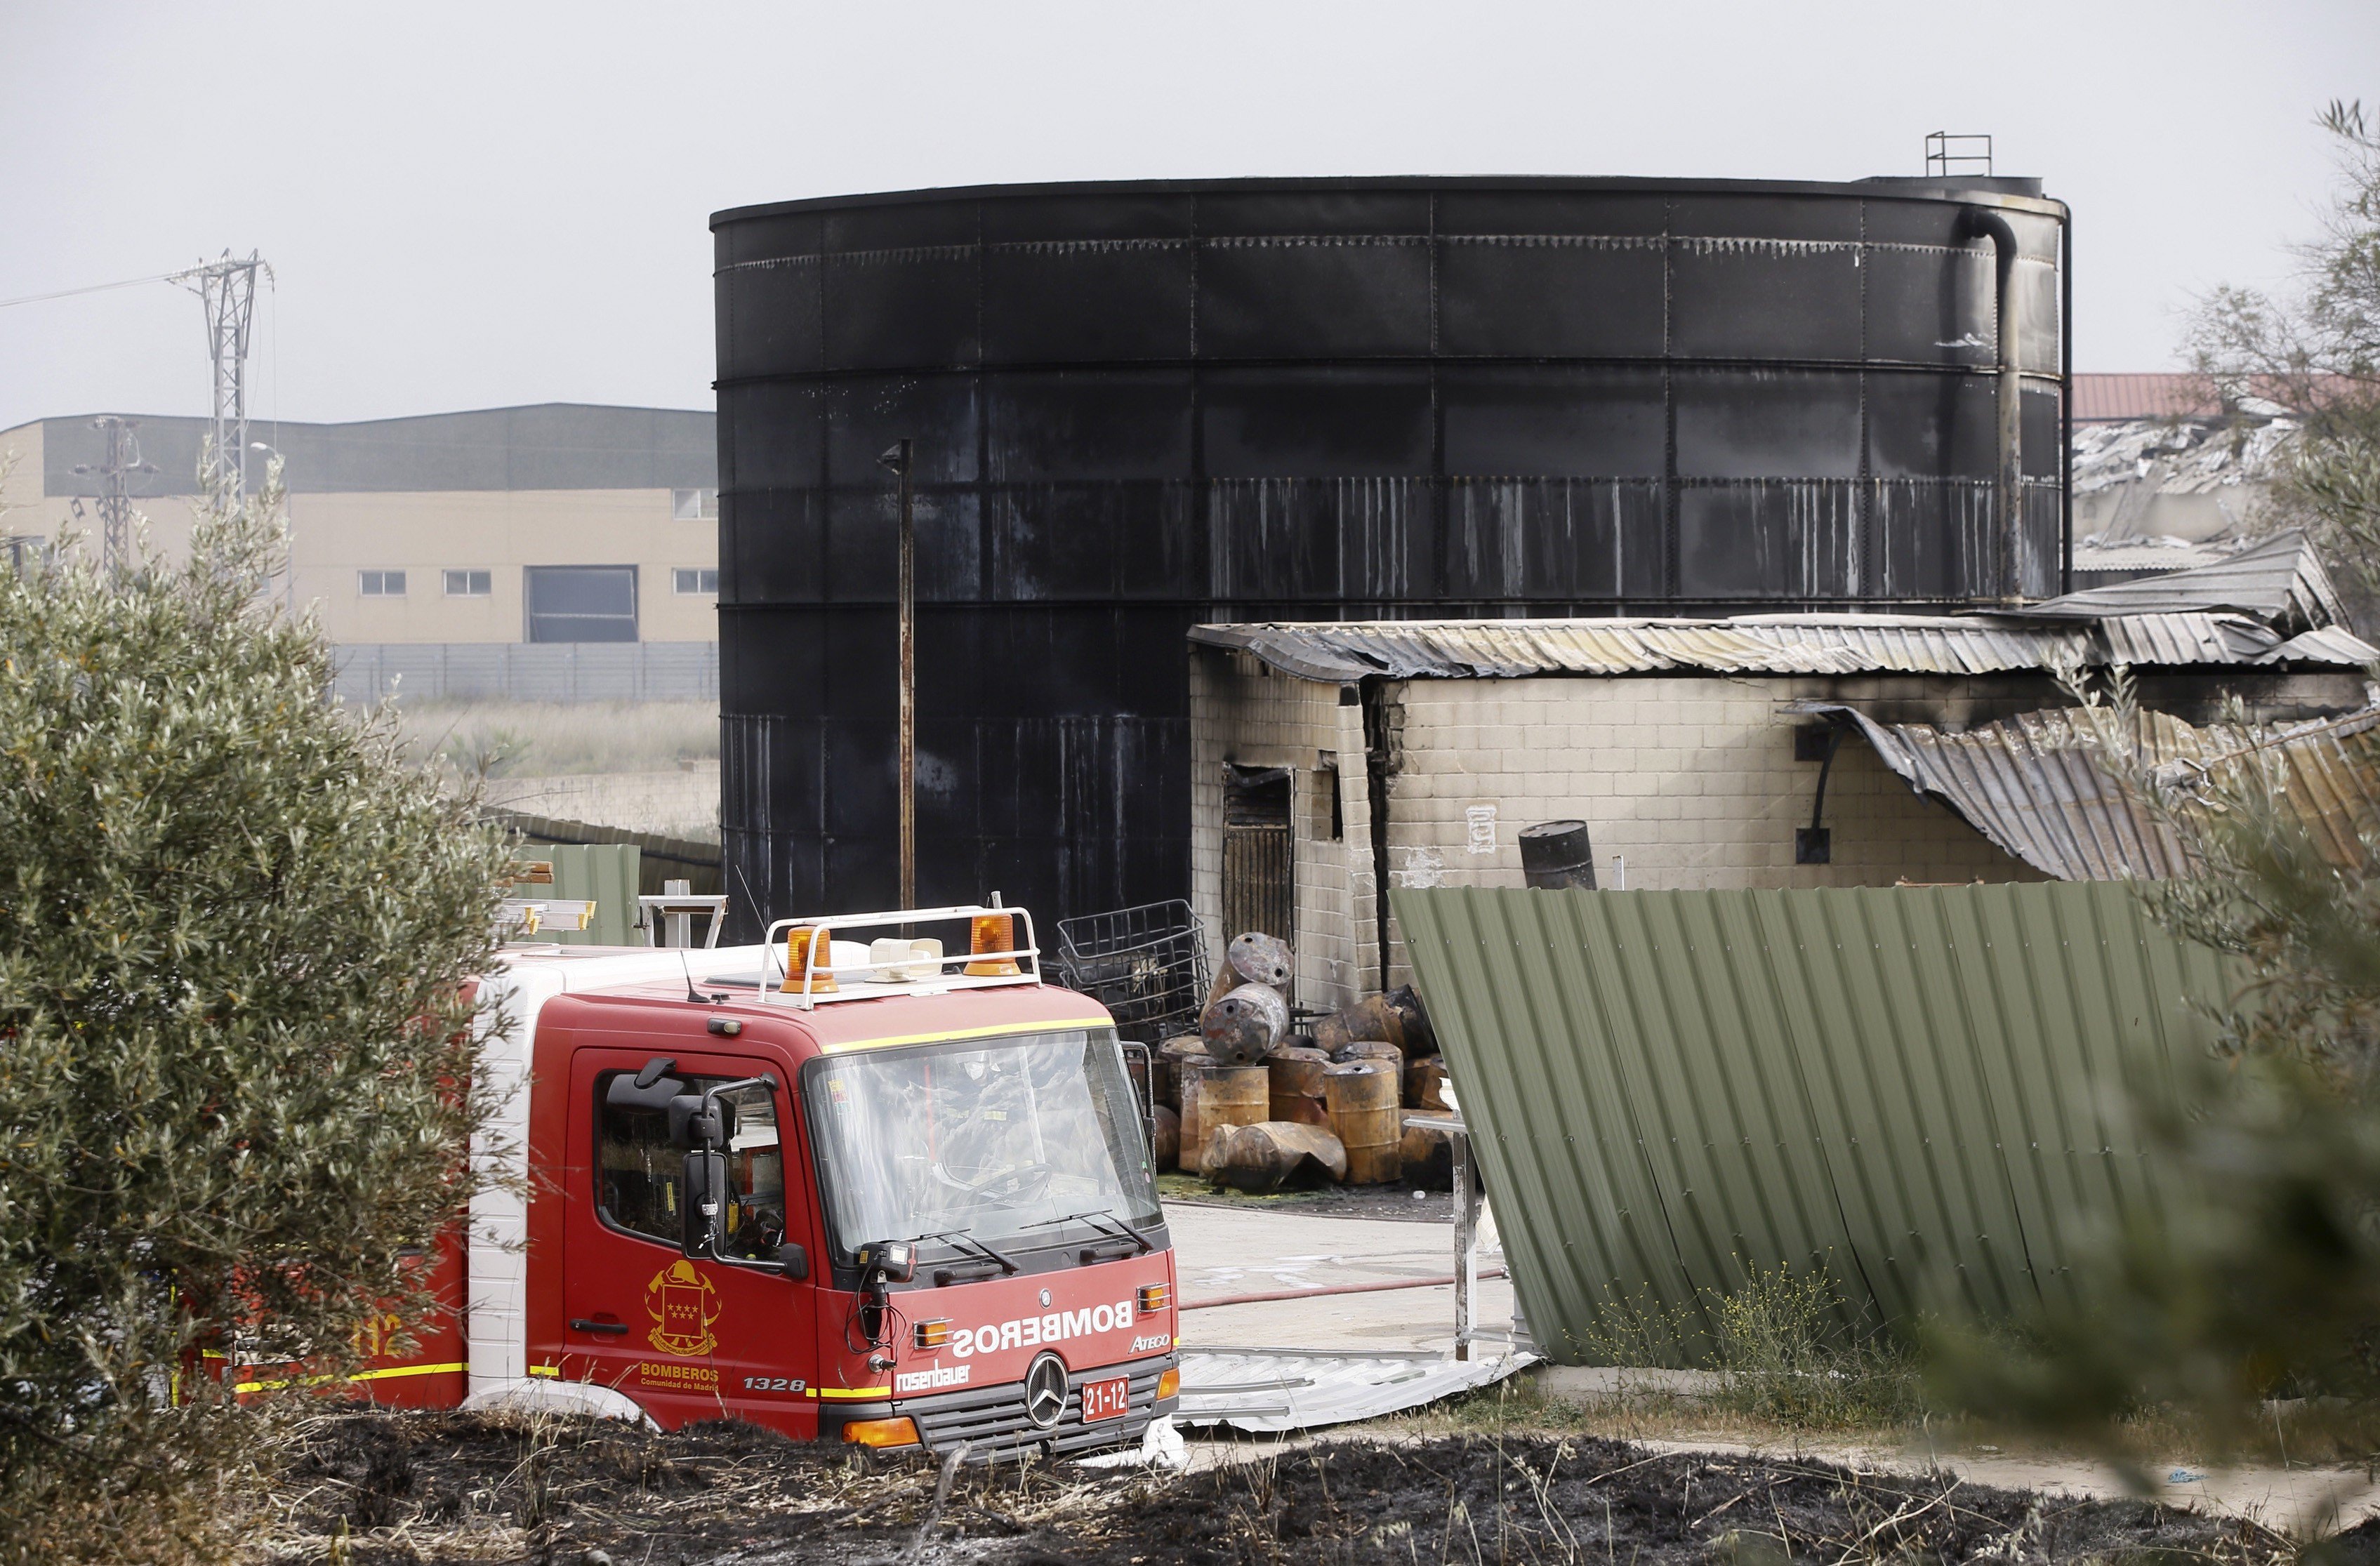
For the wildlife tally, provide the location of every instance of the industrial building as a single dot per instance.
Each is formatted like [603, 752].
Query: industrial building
[1142, 408]
[1332, 761]
[557, 550]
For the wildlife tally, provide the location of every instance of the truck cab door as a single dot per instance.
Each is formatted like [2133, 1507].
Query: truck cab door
[687, 1338]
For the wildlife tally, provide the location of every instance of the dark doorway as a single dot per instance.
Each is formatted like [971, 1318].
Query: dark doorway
[1259, 888]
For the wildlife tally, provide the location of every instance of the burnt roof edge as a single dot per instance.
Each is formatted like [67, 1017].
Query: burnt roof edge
[1883, 186]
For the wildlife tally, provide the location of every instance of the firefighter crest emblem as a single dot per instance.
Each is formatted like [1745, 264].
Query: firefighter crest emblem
[682, 1305]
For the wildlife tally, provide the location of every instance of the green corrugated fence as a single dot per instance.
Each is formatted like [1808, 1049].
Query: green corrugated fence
[605, 874]
[1923, 1091]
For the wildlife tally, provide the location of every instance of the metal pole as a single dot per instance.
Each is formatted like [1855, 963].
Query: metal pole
[1466, 1239]
[900, 464]
[2066, 400]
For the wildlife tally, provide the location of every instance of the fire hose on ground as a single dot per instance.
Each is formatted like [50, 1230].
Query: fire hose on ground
[1445, 1281]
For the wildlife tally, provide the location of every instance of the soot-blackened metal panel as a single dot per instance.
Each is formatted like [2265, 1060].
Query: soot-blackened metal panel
[1138, 408]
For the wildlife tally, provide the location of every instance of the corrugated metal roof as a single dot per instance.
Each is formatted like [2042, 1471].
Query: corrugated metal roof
[1510, 649]
[1270, 1389]
[1344, 651]
[2279, 580]
[2106, 398]
[2326, 644]
[1913, 1088]
[2158, 555]
[2033, 784]
[2134, 639]
[2100, 399]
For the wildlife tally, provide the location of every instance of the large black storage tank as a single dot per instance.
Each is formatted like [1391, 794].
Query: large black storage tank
[1139, 407]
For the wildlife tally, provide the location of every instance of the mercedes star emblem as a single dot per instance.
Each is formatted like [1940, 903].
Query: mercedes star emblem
[1045, 1299]
[1045, 1391]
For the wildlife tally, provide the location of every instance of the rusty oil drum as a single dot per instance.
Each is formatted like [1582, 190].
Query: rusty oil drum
[1227, 1096]
[1362, 1097]
[1297, 1085]
[1242, 1026]
[1175, 1058]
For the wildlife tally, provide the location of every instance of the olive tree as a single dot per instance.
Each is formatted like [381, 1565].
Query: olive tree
[235, 1065]
[2262, 1276]
[2315, 349]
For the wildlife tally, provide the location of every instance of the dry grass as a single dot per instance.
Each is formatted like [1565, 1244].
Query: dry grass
[541, 739]
[174, 1487]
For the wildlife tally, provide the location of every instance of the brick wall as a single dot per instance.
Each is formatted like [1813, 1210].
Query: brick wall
[1691, 779]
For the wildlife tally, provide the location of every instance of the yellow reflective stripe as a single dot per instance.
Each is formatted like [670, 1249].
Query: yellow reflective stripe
[360, 1375]
[262, 1386]
[854, 1391]
[539, 1369]
[395, 1370]
[1047, 1025]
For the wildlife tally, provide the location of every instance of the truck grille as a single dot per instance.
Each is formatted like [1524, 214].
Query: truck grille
[992, 1421]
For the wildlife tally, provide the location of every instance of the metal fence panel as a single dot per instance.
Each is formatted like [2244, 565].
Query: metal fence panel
[605, 874]
[652, 671]
[1922, 1090]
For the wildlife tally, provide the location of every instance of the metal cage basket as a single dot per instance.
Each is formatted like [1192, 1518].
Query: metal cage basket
[1146, 966]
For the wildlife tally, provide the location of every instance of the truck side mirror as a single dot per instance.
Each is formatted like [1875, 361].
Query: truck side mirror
[793, 1261]
[704, 1209]
[696, 1121]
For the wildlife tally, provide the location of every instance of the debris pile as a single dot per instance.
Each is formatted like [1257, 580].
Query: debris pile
[1254, 1105]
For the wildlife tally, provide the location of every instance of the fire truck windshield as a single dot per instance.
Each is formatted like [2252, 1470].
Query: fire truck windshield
[981, 1139]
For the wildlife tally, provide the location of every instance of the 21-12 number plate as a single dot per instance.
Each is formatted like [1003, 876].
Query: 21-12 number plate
[1106, 1400]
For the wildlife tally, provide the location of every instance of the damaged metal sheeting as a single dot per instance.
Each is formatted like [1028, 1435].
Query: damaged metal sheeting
[1808, 644]
[2035, 786]
[2280, 581]
[2271, 603]
[1812, 644]
[1266, 1391]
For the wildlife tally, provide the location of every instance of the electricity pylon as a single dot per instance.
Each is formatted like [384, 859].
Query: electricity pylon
[227, 287]
[115, 472]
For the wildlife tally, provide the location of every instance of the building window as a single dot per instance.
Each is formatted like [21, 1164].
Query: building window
[381, 583]
[468, 584]
[694, 505]
[581, 602]
[695, 580]
[27, 553]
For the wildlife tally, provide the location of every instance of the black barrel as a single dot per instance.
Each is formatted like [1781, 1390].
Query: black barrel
[1557, 853]
[1142, 406]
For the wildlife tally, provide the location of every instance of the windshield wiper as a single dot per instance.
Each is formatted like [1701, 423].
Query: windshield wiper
[1105, 1222]
[969, 1243]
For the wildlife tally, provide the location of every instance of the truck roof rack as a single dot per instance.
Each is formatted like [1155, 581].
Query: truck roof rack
[1023, 962]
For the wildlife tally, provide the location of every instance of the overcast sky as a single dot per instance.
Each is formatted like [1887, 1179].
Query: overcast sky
[473, 205]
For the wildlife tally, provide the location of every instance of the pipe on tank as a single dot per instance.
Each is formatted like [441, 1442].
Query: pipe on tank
[1990, 224]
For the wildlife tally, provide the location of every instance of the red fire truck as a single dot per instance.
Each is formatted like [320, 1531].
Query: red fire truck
[852, 1191]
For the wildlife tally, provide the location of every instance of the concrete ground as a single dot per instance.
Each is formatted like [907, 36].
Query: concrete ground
[1222, 1252]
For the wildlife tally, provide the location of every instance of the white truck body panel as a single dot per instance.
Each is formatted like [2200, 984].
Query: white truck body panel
[496, 1266]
